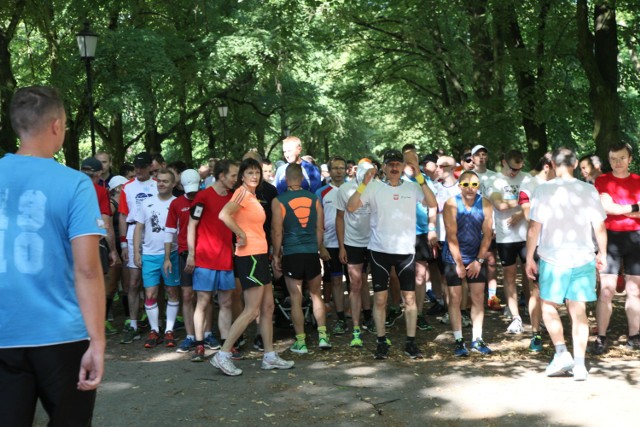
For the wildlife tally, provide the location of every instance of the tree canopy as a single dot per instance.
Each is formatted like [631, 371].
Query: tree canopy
[349, 78]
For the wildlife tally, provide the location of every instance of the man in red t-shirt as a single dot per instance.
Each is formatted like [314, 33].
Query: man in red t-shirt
[210, 257]
[620, 192]
[178, 222]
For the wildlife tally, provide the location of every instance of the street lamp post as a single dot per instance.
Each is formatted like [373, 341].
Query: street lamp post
[87, 41]
[222, 111]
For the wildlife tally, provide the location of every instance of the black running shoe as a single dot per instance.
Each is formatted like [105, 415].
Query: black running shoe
[382, 351]
[412, 350]
[600, 345]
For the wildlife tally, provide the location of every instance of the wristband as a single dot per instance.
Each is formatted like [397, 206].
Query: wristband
[123, 239]
[361, 188]
[124, 245]
[431, 228]
[635, 207]
[420, 179]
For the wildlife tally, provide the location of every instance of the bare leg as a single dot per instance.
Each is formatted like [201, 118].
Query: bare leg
[200, 313]
[632, 305]
[510, 289]
[605, 307]
[380, 311]
[253, 300]
[224, 315]
[410, 312]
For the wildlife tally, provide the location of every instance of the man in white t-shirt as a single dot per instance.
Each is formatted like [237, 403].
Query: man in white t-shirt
[567, 269]
[133, 194]
[353, 232]
[511, 228]
[392, 243]
[148, 238]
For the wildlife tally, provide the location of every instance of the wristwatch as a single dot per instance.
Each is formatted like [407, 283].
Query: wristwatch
[480, 260]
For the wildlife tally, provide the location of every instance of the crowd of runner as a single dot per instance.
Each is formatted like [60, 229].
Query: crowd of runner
[417, 228]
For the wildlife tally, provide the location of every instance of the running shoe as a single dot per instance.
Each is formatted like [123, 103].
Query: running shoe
[225, 365]
[445, 319]
[580, 373]
[241, 341]
[560, 365]
[431, 297]
[466, 320]
[236, 354]
[536, 343]
[169, 339]
[516, 326]
[460, 349]
[494, 303]
[422, 324]
[382, 351]
[600, 345]
[323, 343]
[186, 345]
[339, 328]
[130, 335]
[276, 363]
[198, 354]
[258, 344]
[153, 340]
[143, 322]
[479, 346]
[369, 326]
[109, 329]
[299, 347]
[436, 309]
[356, 341]
[212, 343]
[412, 350]
[393, 314]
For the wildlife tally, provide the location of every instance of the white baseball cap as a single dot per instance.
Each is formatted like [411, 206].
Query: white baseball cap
[477, 148]
[117, 181]
[190, 180]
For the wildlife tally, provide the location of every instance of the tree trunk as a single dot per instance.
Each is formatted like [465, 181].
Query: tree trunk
[598, 55]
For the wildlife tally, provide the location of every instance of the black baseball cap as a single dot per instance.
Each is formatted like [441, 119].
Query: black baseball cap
[142, 160]
[91, 164]
[393, 156]
[429, 158]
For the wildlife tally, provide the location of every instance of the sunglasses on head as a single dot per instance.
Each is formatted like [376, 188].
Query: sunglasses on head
[470, 184]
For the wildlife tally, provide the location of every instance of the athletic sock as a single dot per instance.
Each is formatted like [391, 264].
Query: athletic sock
[367, 314]
[109, 305]
[134, 324]
[153, 312]
[269, 356]
[578, 361]
[410, 339]
[340, 315]
[172, 312]
[191, 337]
[322, 331]
[301, 337]
[492, 293]
[382, 339]
[457, 335]
[476, 331]
[207, 333]
[125, 305]
[560, 348]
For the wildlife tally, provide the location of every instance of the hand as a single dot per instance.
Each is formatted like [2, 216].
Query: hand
[125, 255]
[168, 268]
[115, 259]
[324, 254]
[190, 265]
[473, 269]
[241, 239]
[137, 260]
[277, 264]
[371, 173]
[342, 255]
[601, 261]
[515, 219]
[91, 367]
[461, 271]
[531, 269]
[432, 237]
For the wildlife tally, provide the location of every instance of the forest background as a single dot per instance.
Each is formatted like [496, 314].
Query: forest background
[349, 77]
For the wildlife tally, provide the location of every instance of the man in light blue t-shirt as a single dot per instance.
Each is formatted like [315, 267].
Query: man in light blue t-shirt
[52, 296]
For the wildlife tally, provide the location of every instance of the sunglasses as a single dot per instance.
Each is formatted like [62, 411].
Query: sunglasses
[468, 160]
[514, 169]
[470, 184]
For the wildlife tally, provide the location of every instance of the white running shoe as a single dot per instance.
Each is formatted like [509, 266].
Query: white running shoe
[516, 326]
[277, 363]
[225, 365]
[580, 373]
[560, 365]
